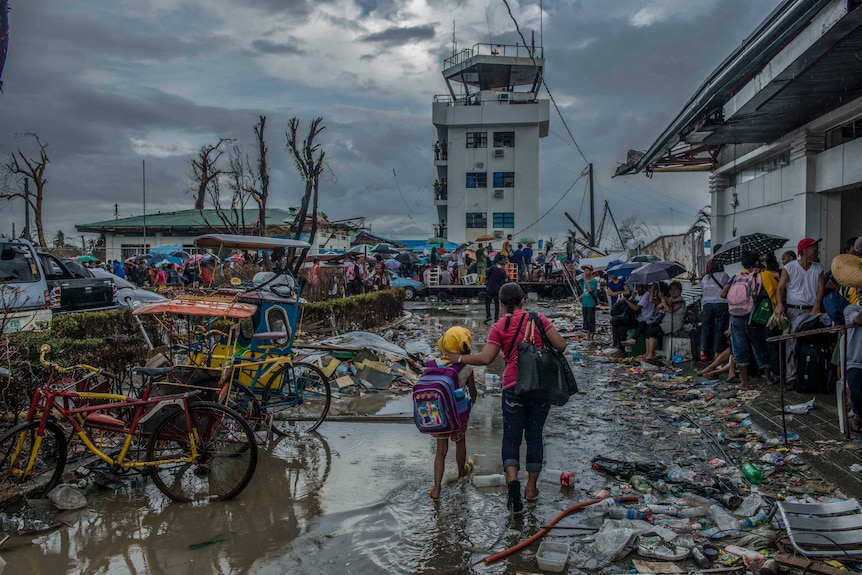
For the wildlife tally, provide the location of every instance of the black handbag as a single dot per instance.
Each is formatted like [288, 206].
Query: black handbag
[544, 375]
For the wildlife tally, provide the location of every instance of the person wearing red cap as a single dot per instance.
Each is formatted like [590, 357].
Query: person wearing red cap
[801, 289]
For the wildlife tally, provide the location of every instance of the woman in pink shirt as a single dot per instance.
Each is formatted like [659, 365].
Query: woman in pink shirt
[523, 420]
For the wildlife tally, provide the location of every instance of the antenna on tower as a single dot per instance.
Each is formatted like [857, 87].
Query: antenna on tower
[454, 43]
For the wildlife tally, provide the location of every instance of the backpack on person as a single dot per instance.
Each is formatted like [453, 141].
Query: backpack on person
[743, 293]
[439, 403]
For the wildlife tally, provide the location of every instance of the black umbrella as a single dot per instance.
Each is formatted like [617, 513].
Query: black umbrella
[408, 258]
[757, 243]
[656, 272]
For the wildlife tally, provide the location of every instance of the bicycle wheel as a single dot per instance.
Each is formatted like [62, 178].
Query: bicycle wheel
[245, 402]
[16, 448]
[297, 398]
[227, 454]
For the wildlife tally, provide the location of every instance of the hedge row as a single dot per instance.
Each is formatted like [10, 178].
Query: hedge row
[359, 312]
[110, 340]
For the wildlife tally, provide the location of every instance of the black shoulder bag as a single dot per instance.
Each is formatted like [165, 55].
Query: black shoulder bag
[544, 375]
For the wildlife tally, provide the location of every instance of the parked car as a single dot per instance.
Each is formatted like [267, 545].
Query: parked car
[24, 293]
[412, 288]
[71, 292]
[128, 294]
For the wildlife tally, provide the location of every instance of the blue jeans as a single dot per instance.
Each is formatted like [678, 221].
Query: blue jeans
[744, 335]
[715, 321]
[854, 382]
[523, 420]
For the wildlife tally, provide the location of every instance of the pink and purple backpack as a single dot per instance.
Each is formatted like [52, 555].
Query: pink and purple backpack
[439, 403]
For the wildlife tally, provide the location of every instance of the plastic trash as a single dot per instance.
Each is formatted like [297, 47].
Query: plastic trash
[753, 521]
[492, 381]
[67, 497]
[700, 558]
[799, 408]
[723, 520]
[749, 557]
[640, 483]
[556, 476]
[750, 505]
[494, 480]
[623, 513]
[752, 473]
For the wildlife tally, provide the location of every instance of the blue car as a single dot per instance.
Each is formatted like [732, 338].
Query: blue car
[412, 288]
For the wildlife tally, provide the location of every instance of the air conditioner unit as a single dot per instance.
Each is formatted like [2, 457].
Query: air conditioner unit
[498, 152]
[498, 234]
[479, 165]
[498, 194]
[504, 97]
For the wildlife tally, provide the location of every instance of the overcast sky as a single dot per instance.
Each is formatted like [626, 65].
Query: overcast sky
[109, 83]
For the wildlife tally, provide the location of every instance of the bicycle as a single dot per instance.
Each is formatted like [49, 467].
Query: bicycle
[295, 396]
[195, 450]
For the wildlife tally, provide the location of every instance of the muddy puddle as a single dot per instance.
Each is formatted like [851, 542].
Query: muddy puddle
[349, 499]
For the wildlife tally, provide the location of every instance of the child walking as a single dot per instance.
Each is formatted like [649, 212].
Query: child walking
[456, 340]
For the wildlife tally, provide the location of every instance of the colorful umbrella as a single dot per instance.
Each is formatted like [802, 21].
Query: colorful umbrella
[656, 272]
[86, 259]
[392, 264]
[486, 238]
[437, 241]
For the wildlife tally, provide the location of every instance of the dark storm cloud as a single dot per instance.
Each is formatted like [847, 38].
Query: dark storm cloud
[268, 47]
[400, 35]
[295, 8]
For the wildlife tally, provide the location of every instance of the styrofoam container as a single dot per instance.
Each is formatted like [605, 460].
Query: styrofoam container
[552, 556]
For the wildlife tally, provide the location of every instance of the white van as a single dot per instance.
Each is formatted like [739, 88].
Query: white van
[24, 295]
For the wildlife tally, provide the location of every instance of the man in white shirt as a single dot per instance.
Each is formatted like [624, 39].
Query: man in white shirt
[800, 290]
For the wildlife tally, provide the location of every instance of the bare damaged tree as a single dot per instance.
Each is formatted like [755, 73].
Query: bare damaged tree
[21, 167]
[261, 195]
[310, 168]
[205, 169]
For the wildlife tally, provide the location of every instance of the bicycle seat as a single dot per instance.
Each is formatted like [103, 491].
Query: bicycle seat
[269, 336]
[152, 371]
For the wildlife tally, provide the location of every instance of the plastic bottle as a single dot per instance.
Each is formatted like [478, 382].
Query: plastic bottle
[601, 505]
[699, 511]
[564, 478]
[699, 557]
[660, 486]
[678, 475]
[682, 525]
[622, 513]
[492, 381]
[664, 510]
[748, 556]
[640, 483]
[753, 521]
[723, 520]
[752, 473]
[493, 480]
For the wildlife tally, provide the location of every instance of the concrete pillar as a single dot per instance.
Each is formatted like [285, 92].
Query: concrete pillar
[806, 202]
[719, 221]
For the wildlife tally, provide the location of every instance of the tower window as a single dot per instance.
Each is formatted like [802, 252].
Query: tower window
[477, 180]
[504, 139]
[477, 139]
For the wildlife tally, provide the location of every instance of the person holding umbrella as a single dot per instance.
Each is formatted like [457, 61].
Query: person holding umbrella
[481, 263]
[669, 318]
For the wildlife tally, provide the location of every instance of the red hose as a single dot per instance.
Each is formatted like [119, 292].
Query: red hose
[541, 532]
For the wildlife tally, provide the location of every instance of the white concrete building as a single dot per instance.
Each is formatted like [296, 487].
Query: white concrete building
[779, 126]
[487, 151]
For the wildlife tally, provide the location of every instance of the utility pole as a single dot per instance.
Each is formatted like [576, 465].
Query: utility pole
[592, 211]
[26, 232]
[116, 211]
[144, 182]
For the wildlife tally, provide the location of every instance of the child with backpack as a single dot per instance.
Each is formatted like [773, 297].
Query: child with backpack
[433, 412]
[747, 294]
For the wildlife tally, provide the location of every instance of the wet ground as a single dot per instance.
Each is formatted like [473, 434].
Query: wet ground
[353, 497]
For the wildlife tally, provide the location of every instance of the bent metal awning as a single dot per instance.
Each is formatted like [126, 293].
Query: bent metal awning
[198, 308]
[800, 63]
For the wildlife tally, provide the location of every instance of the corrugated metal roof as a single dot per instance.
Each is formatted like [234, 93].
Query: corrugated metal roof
[182, 218]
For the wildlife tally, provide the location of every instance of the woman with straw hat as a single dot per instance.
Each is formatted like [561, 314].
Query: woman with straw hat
[847, 271]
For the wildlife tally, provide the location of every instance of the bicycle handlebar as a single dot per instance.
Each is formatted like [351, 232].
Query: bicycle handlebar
[47, 348]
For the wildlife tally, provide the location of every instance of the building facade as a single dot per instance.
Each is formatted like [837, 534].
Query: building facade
[488, 129]
[779, 127]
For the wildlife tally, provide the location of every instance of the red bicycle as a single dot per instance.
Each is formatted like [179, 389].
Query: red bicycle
[193, 450]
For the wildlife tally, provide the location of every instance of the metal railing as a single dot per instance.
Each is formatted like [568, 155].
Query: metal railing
[505, 50]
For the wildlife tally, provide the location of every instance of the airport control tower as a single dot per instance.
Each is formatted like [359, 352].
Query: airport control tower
[487, 149]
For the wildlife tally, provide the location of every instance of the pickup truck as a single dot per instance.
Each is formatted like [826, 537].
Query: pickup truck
[35, 285]
[73, 288]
